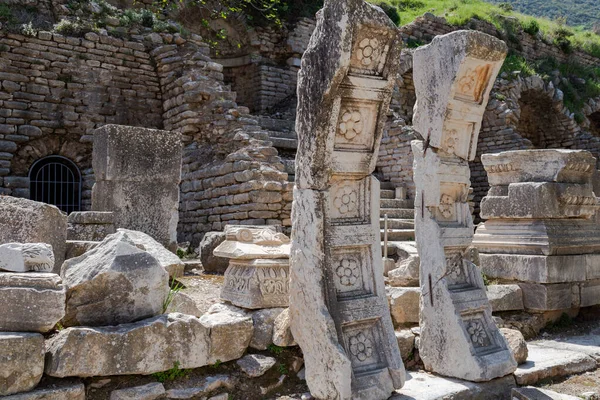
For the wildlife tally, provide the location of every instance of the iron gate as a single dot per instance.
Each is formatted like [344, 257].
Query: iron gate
[56, 180]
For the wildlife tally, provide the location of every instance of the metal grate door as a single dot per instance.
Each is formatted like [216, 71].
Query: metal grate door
[56, 180]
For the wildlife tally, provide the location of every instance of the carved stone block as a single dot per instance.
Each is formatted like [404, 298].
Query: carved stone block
[339, 312]
[23, 257]
[453, 78]
[257, 284]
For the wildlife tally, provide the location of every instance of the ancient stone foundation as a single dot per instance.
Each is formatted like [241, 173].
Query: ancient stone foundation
[453, 78]
[539, 230]
[340, 316]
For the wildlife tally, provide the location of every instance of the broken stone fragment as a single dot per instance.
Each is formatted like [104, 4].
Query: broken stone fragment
[114, 283]
[21, 361]
[211, 262]
[37, 223]
[516, 343]
[151, 391]
[31, 302]
[53, 390]
[282, 334]
[23, 257]
[167, 259]
[255, 365]
[264, 321]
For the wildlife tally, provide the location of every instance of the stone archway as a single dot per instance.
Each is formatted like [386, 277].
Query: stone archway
[28, 153]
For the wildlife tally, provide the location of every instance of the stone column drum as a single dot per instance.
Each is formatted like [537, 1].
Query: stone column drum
[339, 312]
[539, 230]
[453, 77]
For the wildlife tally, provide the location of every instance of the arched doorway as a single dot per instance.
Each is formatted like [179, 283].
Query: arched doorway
[56, 180]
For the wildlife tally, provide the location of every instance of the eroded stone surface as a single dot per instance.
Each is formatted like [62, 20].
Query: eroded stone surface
[404, 304]
[138, 171]
[453, 77]
[264, 321]
[31, 302]
[54, 390]
[151, 391]
[533, 393]
[149, 346]
[21, 361]
[339, 313]
[114, 283]
[255, 365]
[210, 262]
[517, 344]
[23, 257]
[37, 223]
[505, 297]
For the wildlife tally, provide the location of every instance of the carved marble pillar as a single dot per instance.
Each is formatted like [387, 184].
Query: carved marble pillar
[453, 77]
[339, 312]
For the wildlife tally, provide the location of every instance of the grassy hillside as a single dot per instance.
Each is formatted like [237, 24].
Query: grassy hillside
[584, 13]
[458, 12]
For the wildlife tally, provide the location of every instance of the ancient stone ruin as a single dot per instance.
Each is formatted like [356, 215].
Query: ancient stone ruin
[193, 205]
[540, 231]
[337, 290]
[453, 78]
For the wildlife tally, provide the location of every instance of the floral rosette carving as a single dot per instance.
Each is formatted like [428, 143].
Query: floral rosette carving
[346, 200]
[361, 346]
[348, 271]
[369, 52]
[351, 125]
[477, 332]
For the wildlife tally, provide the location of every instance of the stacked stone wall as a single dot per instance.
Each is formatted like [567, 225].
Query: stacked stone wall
[56, 90]
[231, 173]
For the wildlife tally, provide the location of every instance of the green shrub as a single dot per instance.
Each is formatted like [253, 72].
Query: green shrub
[531, 26]
[506, 7]
[172, 374]
[391, 12]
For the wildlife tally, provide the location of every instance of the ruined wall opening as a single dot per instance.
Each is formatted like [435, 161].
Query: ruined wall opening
[595, 123]
[539, 123]
[56, 180]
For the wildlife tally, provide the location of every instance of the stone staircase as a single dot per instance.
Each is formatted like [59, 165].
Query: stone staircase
[283, 136]
[401, 214]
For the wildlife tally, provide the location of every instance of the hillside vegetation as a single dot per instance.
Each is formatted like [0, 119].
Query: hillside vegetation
[459, 12]
[584, 13]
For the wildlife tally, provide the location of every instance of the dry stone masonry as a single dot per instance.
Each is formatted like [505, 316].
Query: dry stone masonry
[453, 78]
[539, 230]
[258, 272]
[138, 171]
[339, 312]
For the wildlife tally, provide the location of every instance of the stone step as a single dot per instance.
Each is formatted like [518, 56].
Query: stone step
[394, 223]
[387, 194]
[277, 124]
[402, 213]
[396, 203]
[283, 134]
[400, 234]
[544, 362]
[387, 185]
[426, 386]
[533, 393]
[284, 143]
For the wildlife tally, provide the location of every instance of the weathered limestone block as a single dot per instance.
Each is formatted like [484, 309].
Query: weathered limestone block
[453, 77]
[516, 343]
[53, 390]
[143, 348]
[151, 345]
[91, 226]
[26, 221]
[168, 260]
[258, 272]
[23, 257]
[404, 304]
[114, 283]
[282, 334]
[255, 365]
[137, 172]
[338, 308]
[505, 297]
[31, 302]
[21, 361]
[264, 321]
[211, 262]
[230, 332]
